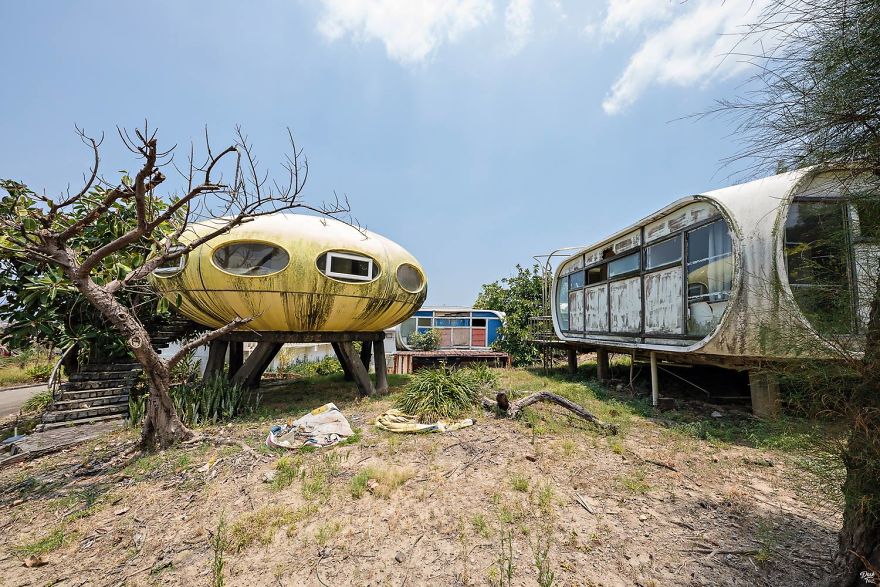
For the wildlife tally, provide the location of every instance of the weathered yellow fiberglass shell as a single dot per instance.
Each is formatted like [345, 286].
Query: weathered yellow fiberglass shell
[299, 297]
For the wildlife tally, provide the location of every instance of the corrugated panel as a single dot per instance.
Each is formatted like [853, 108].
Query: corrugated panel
[576, 310]
[478, 337]
[597, 308]
[626, 305]
[663, 302]
[686, 216]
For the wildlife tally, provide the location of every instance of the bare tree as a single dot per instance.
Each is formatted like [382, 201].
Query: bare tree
[227, 186]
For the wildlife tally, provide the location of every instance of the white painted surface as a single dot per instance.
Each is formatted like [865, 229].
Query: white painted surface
[626, 305]
[663, 302]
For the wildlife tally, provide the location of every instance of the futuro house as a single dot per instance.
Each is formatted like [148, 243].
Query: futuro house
[295, 273]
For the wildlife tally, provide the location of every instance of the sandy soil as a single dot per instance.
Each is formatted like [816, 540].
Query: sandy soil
[662, 508]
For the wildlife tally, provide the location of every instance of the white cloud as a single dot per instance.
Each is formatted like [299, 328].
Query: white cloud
[687, 46]
[518, 20]
[410, 29]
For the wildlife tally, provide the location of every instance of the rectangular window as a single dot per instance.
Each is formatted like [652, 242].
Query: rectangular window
[709, 275]
[478, 322]
[576, 280]
[349, 266]
[424, 322]
[669, 251]
[624, 265]
[597, 274]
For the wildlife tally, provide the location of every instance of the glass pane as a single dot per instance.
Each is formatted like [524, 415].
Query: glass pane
[669, 251]
[251, 258]
[407, 327]
[360, 268]
[479, 322]
[426, 322]
[576, 280]
[709, 276]
[409, 277]
[562, 303]
[623, 265]
[597, 274]
[816, 254]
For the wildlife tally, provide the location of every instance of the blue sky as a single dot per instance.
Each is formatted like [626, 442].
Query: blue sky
[476, 133]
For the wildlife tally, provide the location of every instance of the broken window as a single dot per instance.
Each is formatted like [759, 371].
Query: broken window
[817, 260]
[171, 267]
[479, 322]
[576, 280]
[663, 253]
[709, 275]
[251, 259]
[562, 302]
[597, 274]
[347, 266]
[624, 265]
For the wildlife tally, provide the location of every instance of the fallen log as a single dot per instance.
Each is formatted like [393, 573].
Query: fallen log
[512, 409]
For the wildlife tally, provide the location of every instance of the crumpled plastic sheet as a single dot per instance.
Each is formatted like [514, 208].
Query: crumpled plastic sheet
[397, 421]
[324, 426]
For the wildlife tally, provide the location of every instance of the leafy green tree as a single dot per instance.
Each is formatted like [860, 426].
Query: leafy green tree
[520, 297]
[816, 101]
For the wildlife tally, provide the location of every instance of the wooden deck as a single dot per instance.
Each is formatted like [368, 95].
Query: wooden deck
[406, 361]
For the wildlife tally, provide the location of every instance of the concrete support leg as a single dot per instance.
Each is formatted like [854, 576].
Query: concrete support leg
[259, 360]
[346, 370]
[572, 361]
[655, 381]
[366, 354]
[603, 370]
[381, 368]
[766, 401]
[236, 357]
[360, 374]
[216, 359]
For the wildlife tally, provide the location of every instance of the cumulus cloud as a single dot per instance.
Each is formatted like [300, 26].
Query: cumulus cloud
[684, 45]
[518, 23]
[410, 29]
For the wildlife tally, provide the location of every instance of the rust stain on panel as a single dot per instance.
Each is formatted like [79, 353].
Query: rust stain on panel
[663, 302]
[597, 308]
[690, 214]
[627, 242]
[626, 305]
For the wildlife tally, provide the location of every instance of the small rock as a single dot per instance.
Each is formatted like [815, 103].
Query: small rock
[400, 557]
[34, 561]
[204, 468]
[268, 476]
[717, 414]
[643, 518]
[531, 458]
[121, 510]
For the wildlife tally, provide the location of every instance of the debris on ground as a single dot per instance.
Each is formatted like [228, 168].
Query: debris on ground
[394, 420]
[324, 426]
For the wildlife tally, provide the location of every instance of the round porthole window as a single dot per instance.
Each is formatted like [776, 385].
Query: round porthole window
[409, 278]
[251, 259]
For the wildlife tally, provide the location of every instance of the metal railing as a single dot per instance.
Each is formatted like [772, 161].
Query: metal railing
[541, 329]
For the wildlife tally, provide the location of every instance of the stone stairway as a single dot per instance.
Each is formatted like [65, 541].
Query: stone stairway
[100, 391]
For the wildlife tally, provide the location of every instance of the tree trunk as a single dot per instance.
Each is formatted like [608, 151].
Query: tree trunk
[162, 427]
[859, 539]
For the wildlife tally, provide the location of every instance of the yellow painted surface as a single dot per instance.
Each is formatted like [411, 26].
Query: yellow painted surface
[299, 298]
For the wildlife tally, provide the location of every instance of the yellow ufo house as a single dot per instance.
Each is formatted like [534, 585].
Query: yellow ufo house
[294, 273]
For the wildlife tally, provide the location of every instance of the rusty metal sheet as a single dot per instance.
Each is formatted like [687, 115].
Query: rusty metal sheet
[597, 308]
[686, 216]
[576, 310]
[626, 305]
[663, 302]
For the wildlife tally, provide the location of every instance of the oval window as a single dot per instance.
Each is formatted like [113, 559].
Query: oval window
[171, 267]
[409, 278]
[251, 259]
[347, 266]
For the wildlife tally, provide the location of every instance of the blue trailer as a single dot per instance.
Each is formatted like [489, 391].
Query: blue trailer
[459, 328]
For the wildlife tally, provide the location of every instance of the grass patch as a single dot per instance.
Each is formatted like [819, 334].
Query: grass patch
[519, 483]
[287, 470]
[635, 482]
[381, 482]
[481, 526]
[37, 403]
[52, 541]
[326, 533]
[260, 526]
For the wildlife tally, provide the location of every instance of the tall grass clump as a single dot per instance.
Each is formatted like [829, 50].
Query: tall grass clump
[437, 394]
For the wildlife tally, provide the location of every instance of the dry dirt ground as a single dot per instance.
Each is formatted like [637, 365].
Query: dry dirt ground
[496, 503]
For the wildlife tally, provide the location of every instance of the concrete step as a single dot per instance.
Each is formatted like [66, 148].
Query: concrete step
[81, 394]
[103, 376]
[104, 367]
[86, 385]
[65, 405]
[53, 425]
[81, 413]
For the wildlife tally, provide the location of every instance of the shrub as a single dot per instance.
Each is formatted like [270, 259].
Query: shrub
[435, 394]
[326, 366]
[203, 402]
[424, 341]
[37, 403]
[39, 371]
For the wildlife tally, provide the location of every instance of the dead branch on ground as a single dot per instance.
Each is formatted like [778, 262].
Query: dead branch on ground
[512, 409]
